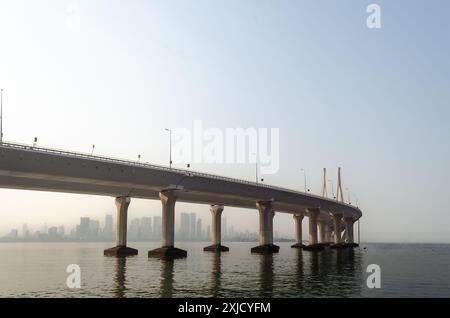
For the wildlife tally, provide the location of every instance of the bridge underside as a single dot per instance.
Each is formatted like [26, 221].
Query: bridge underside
[142, 192]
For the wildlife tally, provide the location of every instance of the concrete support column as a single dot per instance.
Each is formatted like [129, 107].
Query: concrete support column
[167, 250]
[313, 214]
[216, 213]
[298, 219]
[216, 232]
[121, 248]
[348, 221]
[328, 233]
[337, 219]
[122, 204]
[168, 200]
[266, 215]
[322, 231]
[272, 215]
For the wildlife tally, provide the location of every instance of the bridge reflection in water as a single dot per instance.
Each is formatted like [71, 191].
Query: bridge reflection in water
[216, 274]
[334, 272]
[311, 274]
[120, 277]
[166, 290]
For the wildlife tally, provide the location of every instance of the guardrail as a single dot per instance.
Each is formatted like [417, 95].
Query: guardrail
[153, 166]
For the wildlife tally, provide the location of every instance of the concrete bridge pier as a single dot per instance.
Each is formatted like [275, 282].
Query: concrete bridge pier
[298, 219]
[337, 221]
[328, 233]
[121, 248]
[322, 224]
[266, 215]
[349, 221]
[167, 249]
[272, 216]
[216, 235]
[313, 214]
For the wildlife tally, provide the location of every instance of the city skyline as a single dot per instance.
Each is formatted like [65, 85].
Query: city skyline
[190, 228]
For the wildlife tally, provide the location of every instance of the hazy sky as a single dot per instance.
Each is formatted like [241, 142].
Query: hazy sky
[116, 73]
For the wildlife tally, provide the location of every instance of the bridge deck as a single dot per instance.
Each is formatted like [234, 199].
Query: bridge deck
[45, 169]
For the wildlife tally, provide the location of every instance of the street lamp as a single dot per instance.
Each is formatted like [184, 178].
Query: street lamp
[304, 177]
[348, 192]
[92, 152]
[170, 147]
[256, 166]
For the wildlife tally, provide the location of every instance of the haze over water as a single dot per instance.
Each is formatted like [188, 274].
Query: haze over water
[407, 270]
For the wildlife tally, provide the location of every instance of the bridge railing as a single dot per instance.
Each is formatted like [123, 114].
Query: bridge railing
[158, 167]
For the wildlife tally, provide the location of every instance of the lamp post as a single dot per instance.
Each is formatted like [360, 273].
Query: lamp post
[348, 193]
[304, 178]
[170, 147]
[256, 166]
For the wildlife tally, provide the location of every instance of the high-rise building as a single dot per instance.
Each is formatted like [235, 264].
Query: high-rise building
[134, 230]
[184, 226]
[53, 232]
[94, 229]
[157, 222]
[108, 232]
[231, 232]
[199, 235]
[192, 225]
[13, 235]
[83, 230]
[61, 231]
[146, 228]
[25, 231]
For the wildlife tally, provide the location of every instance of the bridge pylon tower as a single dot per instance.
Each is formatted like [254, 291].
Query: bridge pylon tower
[324, 184]
[339, 194]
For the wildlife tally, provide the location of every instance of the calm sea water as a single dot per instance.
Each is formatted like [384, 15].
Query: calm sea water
[39, 270]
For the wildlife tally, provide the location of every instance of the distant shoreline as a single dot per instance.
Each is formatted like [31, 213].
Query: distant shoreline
[227, 241]
[112, 241]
